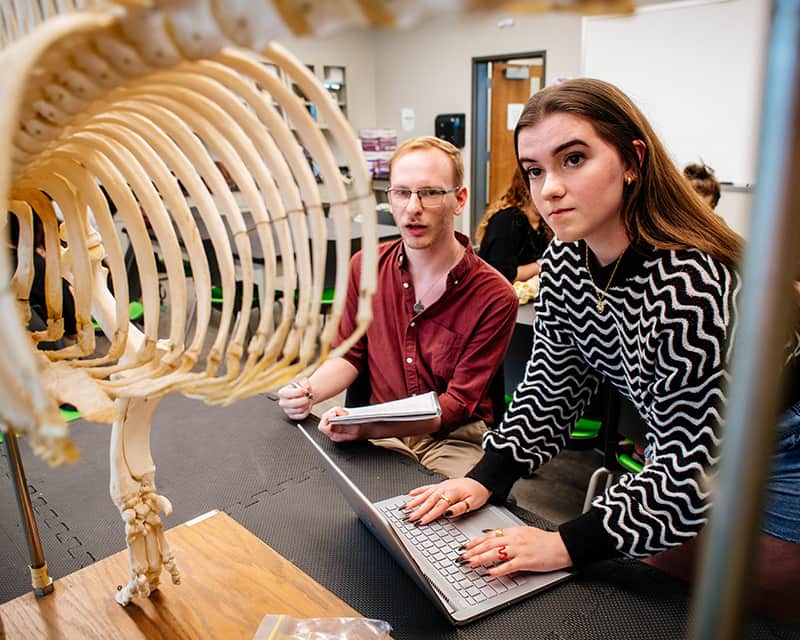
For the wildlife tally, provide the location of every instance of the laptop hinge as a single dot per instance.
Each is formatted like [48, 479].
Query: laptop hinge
[441, 594]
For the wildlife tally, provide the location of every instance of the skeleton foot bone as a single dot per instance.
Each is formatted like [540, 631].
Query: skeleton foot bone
[133, 490]
[148, 548]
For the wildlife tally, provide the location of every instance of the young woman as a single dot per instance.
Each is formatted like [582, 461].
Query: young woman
[512, 235]
[640, 287]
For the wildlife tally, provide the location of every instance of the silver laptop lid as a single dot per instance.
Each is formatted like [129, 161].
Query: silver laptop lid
[380, 528]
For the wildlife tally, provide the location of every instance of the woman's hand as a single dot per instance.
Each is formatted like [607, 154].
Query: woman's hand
[450, 498]
[296, 399]
[517, 549]
[527, 271]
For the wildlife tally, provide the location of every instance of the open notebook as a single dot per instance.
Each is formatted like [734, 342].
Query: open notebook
[428, 553]
[421, 407]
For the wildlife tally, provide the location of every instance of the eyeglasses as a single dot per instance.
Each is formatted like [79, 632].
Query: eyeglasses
[429, 198]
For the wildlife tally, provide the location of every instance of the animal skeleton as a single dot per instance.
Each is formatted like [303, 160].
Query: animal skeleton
[142, 98]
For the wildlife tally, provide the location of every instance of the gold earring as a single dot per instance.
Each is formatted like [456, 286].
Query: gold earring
[628, 181]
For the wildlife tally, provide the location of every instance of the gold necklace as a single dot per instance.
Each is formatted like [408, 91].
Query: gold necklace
[601, 295]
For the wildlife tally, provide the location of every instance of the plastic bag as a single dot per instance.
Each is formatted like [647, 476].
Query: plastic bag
[281, 627]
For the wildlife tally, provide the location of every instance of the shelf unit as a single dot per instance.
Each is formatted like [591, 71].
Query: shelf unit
[333, 78]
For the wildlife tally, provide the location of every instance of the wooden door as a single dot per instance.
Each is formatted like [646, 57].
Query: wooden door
[512, 85]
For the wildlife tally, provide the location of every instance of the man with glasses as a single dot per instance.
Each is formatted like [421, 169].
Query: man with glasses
[442, 322]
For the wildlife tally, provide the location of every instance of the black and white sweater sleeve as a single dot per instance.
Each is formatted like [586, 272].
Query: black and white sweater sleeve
[664, 342]
[558, 385]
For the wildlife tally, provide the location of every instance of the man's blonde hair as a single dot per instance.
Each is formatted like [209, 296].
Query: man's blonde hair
[430, 142]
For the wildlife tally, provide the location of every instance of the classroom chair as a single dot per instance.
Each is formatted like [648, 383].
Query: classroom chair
[621, 424]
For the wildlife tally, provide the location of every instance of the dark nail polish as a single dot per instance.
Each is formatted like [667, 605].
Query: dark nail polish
[448, 514]
[487, 530]
[462, 547]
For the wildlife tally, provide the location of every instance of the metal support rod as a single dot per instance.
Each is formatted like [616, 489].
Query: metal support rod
[765, 313]
[42, 583]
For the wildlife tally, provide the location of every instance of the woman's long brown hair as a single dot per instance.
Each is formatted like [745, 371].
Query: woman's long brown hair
[659, 208]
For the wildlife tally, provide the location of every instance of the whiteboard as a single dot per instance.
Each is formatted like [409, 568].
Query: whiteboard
[695, 68]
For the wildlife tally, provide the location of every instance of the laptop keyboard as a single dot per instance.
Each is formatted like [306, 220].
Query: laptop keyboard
[439, 542]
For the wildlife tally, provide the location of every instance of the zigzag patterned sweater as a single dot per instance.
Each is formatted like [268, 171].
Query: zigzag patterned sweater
[664, 341]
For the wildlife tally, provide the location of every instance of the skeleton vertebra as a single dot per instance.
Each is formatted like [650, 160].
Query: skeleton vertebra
[142, 97]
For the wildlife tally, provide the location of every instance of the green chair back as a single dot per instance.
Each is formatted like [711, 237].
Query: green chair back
[135, 311]
[69, 413]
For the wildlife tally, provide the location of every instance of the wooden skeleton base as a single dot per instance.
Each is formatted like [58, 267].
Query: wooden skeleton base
[141, 97]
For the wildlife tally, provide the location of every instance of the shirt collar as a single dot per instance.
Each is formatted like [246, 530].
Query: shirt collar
[464, 265]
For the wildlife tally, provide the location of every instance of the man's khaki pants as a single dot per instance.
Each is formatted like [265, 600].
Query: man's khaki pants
[452, 456]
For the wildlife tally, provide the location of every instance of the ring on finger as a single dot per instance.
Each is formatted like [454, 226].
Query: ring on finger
[502, 553]
[498, 533]
[444, 497]
[466, 502]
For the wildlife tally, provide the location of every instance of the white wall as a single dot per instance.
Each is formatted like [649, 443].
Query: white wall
[428, 68]
[698, 79]
[734, 207]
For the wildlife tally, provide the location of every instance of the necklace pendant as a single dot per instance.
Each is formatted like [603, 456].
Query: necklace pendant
[418, 307]
[601, 305]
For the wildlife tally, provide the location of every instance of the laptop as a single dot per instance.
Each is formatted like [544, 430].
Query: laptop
[428, 553]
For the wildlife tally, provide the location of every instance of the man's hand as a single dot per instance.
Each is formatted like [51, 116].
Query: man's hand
[296, 399]
[341, 432]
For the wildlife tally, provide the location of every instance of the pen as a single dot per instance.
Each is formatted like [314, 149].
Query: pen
[297, 385]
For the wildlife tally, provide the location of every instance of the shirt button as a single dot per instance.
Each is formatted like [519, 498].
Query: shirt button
[409, 360]
[405, 285]
[413, 324]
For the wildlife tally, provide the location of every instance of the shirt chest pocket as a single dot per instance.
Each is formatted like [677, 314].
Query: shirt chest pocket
[441, 350]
